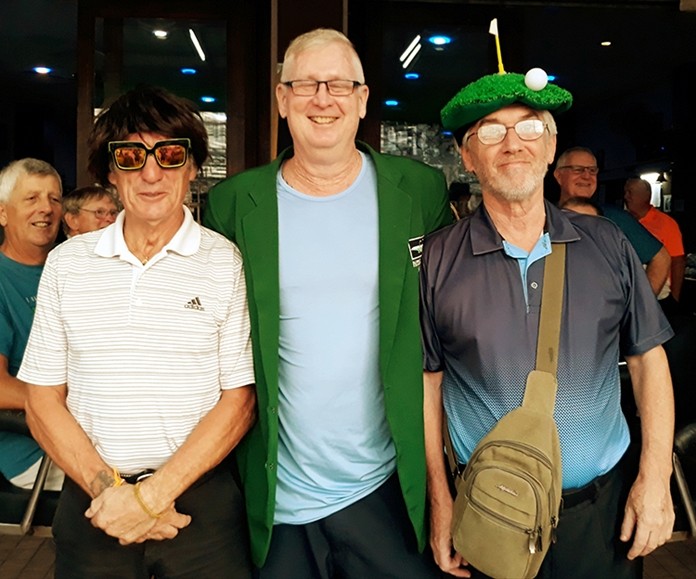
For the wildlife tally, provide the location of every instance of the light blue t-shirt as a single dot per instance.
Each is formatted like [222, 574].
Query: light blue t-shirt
[334, 443]
[18, 286]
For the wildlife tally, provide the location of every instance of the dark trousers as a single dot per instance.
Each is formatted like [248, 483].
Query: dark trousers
[371, 539]
[588, 545]
[214, 545]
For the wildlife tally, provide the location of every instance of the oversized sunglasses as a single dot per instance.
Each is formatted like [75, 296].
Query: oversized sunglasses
[132, 155]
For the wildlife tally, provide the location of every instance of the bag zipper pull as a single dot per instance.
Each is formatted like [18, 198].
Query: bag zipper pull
[532, 540]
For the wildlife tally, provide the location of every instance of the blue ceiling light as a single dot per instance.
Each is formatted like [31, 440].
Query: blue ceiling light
[188, 71]
[208, 99]
[439, 39]
[42, 70]
[551, 77]
[391, 102]
[412, 76]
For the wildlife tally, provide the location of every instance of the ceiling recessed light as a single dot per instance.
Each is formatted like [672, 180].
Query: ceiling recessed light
[606, 43]
[42, 69]
[412, 75]
[439, 39]
[161, 34]
[188, 71]
[196, 44]
[208, 99]
[391, 102]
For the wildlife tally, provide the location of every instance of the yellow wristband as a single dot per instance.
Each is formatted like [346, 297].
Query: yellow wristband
[118, 481]
[141, 502]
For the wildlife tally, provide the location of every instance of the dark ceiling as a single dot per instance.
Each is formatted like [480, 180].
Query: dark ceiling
[653, 50]
[651, 40]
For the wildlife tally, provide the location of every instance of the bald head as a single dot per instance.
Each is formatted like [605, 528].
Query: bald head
[637, 194]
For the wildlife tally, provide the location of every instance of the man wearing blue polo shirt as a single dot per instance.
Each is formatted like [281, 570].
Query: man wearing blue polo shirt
[481, 284]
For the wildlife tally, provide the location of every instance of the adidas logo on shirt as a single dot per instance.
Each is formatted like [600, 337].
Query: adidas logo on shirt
[195, 304]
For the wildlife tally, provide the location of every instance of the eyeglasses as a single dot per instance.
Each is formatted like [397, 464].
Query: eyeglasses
[580, 169]
[132, 155]
[494, 133]
[101, 213]
[311, 87]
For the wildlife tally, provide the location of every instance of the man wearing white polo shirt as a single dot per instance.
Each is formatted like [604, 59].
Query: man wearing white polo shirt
[141, 408]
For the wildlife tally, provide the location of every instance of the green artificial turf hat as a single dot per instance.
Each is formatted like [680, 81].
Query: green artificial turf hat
[495, 91]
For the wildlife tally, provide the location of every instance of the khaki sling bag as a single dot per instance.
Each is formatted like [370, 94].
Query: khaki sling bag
[509, 495]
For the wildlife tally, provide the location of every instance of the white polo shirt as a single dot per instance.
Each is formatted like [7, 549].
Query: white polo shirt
[145, 350]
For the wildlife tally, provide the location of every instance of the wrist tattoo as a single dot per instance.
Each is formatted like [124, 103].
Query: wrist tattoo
[101, 482]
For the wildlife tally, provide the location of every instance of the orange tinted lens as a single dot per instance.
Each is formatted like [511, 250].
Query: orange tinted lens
[171, 155]
[129, 157]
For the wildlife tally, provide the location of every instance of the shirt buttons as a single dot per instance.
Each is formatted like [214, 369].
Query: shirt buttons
[534, 285]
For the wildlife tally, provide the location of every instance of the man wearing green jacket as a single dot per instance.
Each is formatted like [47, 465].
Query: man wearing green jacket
[331, 233]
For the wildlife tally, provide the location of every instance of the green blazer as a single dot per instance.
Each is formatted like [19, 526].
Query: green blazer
[412, 201]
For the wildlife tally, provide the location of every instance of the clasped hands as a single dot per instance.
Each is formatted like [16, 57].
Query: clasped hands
[117, 512]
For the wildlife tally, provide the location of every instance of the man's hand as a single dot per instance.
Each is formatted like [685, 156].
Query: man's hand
[441, 541]
[649, 516]
[117, 512]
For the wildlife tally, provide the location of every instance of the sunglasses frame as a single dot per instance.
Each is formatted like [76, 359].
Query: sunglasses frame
[113, 145]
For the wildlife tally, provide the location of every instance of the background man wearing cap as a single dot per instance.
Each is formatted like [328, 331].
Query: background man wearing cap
[576, 173]
[331, 234]
[481, 283]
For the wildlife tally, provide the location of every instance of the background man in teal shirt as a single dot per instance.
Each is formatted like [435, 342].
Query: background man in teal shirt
[30, 212]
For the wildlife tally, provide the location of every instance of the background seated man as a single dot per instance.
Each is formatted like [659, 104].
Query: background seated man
[30, 208]
[88, 208]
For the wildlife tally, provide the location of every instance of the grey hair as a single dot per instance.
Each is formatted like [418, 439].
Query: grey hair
[28, 166]
[563, 157]
[318, 38]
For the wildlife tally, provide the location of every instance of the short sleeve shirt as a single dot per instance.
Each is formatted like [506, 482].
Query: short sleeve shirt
[145, 350]
[478, 330]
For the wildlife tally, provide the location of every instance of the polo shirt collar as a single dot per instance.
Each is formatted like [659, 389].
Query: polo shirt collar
[186, 240]
[486, 239]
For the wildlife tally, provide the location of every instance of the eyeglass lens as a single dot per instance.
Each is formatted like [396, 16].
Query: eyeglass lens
[130, 156]
[311, 87]
[102, 213]
[580, 169]
[494, 133]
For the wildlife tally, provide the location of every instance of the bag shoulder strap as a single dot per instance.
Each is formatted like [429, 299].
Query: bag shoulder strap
[548, 342]
[540, 392]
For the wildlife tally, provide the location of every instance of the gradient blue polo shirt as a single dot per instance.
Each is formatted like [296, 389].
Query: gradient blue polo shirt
[481, 332]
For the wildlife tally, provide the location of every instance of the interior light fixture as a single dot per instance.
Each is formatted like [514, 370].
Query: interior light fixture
[391, 102]
[605, 43]
[196, 44]
[650, 177]
[411, 46]
[42, 70]
[160, 34]
[188, 71]
[439, 39]
[208, 99]
[410, 57]
[412, 76]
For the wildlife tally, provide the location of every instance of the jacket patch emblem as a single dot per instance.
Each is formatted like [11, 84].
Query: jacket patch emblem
[415, 249]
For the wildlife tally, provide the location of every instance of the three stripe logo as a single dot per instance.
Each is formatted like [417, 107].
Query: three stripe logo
[195, 304]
